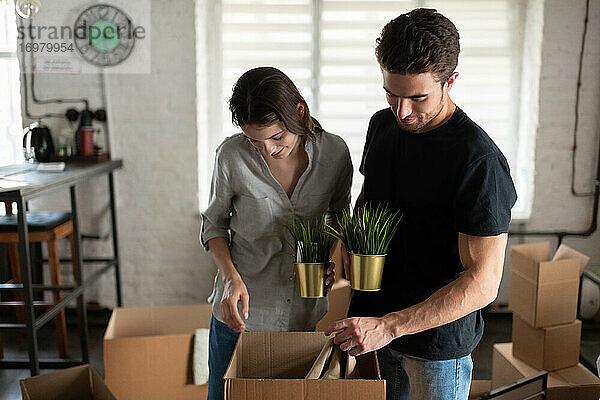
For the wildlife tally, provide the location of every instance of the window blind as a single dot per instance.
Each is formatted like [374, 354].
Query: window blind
[327, 47]
[258, 33]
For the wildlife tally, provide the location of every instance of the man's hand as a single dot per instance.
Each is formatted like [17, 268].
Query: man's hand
[329, 276]
[234, 290]
[361, 335]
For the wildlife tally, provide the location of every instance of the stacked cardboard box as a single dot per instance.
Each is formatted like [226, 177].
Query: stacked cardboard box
[565, 384]
[546, 334]
[543, 298]
[550, 348]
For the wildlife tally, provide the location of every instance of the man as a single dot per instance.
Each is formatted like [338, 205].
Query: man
[425, 157]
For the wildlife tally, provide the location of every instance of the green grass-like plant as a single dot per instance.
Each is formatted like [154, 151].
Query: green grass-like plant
[308, 232]
[369, 231]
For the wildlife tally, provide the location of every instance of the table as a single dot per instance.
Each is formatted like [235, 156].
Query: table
[20, 183]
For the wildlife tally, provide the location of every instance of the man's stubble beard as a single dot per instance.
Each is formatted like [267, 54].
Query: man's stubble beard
[419, 124]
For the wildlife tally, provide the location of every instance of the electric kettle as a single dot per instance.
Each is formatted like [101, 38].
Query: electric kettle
[37, 143]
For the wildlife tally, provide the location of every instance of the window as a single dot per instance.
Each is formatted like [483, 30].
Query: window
[327, 49]
[10, 101]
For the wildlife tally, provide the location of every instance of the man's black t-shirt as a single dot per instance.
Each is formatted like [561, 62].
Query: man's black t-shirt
[451, 179]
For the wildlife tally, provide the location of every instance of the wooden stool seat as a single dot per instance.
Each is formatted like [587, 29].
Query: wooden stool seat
[46, 227]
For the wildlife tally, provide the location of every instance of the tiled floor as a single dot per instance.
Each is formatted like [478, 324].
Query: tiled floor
[497, 329]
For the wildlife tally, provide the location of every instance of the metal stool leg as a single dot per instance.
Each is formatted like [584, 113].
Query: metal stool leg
[60, 320]
[25, 263]
[13, 255]
[79, 259]
[75, 276]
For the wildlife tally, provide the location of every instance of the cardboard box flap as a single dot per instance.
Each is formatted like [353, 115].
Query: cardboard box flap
[525, 258]
[522, 300]
[565, 252]
[339, 301]
[558, 271]
[578, 376]
[267, 354]
[99, 389]
[158, 321]
[479, 388]
[77, 383]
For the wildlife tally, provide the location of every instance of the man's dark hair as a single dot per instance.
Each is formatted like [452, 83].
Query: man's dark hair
[419, 41]
[265, 96]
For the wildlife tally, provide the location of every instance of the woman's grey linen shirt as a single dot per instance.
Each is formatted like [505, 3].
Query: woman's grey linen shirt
[249, 208]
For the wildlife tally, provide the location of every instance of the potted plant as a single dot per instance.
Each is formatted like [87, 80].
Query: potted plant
[367, 235]
[311, 244]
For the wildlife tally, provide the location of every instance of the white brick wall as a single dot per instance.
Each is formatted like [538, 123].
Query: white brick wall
[554, 208]
[154, 131]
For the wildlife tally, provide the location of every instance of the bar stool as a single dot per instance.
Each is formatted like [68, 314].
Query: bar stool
[46, 227]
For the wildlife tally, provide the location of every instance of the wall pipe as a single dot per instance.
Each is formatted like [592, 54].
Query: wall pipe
[562, 234]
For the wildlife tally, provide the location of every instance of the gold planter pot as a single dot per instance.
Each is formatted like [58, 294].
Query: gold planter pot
[311, 279]
[366, 271]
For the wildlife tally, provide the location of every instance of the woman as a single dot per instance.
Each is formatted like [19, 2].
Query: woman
[282, 165]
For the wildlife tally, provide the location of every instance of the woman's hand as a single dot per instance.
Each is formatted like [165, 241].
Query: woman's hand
[329, 275]
[234, 290]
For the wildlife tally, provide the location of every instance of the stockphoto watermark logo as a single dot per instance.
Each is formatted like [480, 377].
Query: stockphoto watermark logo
[113, 38]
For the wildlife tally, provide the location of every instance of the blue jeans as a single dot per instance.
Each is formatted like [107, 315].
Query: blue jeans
[409, 378]
[221, 343]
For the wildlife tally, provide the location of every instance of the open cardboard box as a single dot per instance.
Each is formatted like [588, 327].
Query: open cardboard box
[272, 366]
[148, 352]
[573, 383]
[544, 292]
[77, 383]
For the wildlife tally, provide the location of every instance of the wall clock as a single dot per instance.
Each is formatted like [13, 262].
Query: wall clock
[103, 35]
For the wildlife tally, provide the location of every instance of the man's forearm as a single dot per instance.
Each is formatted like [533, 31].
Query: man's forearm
[476, 287]
[453, 301]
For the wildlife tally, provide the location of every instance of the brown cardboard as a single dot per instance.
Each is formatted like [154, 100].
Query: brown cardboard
[543, 292]
[549, 348]
[565, 384]
[566, 252]
[272, 366]
[148, 352]
[339, 301]
[77, 383]
[336, 258]
[479, 388]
